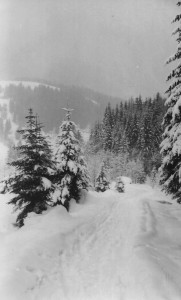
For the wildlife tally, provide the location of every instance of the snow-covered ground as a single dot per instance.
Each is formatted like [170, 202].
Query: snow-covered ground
[111, 246]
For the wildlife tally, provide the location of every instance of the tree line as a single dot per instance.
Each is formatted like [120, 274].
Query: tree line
[131, 133]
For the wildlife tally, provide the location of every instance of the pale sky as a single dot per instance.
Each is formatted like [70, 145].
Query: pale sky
[118, 47]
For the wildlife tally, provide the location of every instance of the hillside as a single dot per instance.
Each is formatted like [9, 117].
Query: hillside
[47, 100]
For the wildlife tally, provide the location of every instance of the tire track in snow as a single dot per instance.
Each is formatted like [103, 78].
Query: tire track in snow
[115, 252]
[98, 261]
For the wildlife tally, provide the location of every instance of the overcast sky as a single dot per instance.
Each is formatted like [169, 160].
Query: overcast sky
[118, 47]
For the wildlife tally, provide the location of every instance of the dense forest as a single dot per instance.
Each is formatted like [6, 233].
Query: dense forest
[128, 139]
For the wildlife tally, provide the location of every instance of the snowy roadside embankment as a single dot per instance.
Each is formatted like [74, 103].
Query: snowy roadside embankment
[111, 246]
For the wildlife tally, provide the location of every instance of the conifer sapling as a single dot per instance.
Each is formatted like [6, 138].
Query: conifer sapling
[102, 183]
[71, 171]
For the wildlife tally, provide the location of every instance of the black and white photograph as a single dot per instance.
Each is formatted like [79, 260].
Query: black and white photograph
[90, 150]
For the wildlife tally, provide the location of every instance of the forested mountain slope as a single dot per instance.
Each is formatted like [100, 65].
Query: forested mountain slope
[131, 132]
[47, 100]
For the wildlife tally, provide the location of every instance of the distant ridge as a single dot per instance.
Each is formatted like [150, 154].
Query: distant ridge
[58, 84]
[47, 98]
[26, 83]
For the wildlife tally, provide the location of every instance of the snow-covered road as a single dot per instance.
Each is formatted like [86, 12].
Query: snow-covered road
[111, 246]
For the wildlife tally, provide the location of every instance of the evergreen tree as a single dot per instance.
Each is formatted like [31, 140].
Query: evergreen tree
[96, 138]
[102, 183]
[107, 128]
[147, 142]
[31, 182]
[119, 185]
[134, 132]
[158, 111]
[71, 171]
[171, 144]
[139, 105]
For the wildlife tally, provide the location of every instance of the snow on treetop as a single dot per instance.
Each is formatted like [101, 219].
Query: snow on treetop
[36, 167]
[68, 140]
[66, 180]
[55, 195]
[67, 123]
[25, 176]
[46, 183]
[65, 192]
[72, 166]
[50, 171]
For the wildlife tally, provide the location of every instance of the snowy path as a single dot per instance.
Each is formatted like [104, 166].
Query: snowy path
[112, 247]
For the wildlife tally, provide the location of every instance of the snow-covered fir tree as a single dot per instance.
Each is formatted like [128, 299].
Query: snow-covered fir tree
[107, 131]
[102, 183]
[31, 181]
[171, 144]
[71, 170]
[119, 185]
